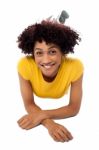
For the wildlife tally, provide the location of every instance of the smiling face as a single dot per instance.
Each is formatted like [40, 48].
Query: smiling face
[48, 58]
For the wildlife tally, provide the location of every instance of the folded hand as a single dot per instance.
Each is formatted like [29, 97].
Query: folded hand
[59, 133]
[31, 120]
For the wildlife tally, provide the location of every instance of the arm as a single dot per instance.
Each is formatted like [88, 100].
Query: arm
[36, 115]
[73, 107]
[58, 132]
[27, 95]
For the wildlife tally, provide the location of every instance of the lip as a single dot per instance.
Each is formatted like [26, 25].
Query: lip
[47, 66]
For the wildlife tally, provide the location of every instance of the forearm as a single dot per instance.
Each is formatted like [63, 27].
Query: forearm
[47, 122]
[33, 108]
[61, 113]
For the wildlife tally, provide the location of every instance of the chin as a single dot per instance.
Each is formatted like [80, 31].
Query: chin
[47, 75]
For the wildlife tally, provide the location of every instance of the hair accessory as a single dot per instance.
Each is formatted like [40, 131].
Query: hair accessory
[60, 18]
[63, 16]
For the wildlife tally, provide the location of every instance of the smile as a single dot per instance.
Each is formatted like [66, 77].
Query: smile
[48, 66]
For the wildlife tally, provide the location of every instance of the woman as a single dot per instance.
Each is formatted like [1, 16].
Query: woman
[48, 72]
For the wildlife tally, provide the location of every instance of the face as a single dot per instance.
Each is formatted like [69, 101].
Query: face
[48, 58]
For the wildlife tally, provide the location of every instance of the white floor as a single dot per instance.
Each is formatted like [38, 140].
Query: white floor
[14, 17]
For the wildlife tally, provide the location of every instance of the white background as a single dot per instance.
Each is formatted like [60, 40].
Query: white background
[15, 15]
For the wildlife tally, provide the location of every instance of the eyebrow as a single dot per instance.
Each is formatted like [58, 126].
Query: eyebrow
[53, 46]
[38, 49]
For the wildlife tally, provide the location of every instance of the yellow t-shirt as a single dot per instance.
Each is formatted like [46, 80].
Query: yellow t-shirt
[70, 70]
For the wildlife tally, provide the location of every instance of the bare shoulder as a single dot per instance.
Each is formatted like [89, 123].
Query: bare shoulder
[25, 85]
[76, 94]
[78, 81]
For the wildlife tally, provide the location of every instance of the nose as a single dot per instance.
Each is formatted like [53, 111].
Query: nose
[46, 58]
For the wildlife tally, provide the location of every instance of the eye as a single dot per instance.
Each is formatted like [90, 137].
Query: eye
[38, 53]
[52, 52]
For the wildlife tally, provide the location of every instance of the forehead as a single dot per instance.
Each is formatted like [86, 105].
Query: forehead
[43, 44]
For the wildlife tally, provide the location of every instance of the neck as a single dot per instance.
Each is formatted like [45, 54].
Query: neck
[49, 79]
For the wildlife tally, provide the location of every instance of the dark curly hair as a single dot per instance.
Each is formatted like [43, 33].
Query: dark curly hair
[50, 32]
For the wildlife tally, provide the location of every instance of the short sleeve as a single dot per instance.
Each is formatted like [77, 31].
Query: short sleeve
[78, 69]
[23, 68]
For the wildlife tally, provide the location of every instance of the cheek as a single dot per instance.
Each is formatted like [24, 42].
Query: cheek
[59, 59]
[37, 61]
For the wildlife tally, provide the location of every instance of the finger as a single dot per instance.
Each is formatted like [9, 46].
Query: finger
[25, 124]
[54, 137]
[67, 133]
[21, 119]
[30, 126]
[70, 136]
[59, 137]
[63, 136]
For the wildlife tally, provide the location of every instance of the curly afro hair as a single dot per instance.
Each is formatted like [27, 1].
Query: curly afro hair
[50, 32]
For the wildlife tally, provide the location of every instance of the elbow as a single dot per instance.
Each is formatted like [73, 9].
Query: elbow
[73, 114]
[74, 111]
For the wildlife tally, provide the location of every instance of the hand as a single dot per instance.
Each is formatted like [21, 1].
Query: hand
[58, 132]
[31, 120]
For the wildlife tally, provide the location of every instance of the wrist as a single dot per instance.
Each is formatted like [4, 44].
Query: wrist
[47, 123]
[44, 114]
[47, 114]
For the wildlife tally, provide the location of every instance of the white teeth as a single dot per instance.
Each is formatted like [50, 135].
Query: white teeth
[47, 67]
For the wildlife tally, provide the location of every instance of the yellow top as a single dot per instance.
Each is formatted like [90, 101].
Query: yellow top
[70, 70]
